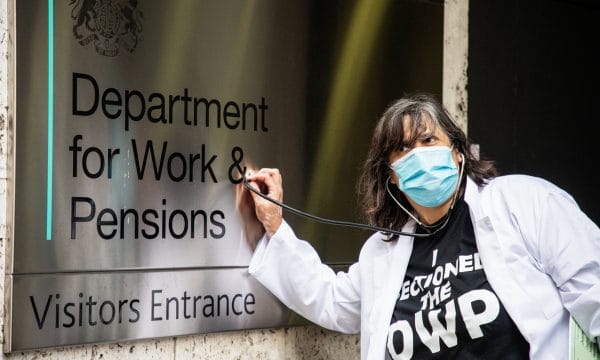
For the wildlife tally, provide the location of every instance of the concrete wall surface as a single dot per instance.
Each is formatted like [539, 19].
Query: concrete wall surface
[456, 49]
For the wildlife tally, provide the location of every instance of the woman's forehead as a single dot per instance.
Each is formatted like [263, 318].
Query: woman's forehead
[413, 127]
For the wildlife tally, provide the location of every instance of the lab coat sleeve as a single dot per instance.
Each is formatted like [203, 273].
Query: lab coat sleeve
[291, 269]
[569, 248]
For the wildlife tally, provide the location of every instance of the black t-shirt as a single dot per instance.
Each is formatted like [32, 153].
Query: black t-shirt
[446, 308]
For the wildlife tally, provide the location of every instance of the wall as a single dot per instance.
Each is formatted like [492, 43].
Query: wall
[309, 342]
[456, 46]
[533, 90]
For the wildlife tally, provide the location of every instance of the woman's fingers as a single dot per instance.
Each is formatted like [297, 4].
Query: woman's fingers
[269, 182]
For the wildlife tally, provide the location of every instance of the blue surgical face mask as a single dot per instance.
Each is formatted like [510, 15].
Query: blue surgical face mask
[427, 174]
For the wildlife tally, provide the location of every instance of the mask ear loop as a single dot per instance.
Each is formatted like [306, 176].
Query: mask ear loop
[460, 175]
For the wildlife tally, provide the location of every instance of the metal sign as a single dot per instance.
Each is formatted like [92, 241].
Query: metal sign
[151, 117]
[133, 124]
[111, 306]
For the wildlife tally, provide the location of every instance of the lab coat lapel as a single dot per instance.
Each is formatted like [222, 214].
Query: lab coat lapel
[490, 252]
[389, 268]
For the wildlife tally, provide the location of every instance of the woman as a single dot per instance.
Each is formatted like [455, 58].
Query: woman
[494, 269]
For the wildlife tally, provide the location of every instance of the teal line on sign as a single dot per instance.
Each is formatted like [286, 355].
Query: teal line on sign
[50, 118]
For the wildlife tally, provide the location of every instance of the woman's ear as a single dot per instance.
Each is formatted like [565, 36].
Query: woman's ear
[458, 156]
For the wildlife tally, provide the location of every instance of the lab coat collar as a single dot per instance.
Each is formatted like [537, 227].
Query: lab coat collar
[499, 275]
[391, 266]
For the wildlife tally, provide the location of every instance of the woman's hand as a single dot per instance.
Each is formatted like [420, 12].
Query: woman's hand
[269, 182]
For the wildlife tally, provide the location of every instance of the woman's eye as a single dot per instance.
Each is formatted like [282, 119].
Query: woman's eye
[429, 140]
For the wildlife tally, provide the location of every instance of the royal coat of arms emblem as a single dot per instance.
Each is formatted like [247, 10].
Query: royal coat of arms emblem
[109, 24]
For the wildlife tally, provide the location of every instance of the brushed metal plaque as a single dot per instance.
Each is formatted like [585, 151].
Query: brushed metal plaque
[64, 309]
[155, 113]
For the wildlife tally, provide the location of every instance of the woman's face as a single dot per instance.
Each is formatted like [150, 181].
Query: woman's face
[428, 137]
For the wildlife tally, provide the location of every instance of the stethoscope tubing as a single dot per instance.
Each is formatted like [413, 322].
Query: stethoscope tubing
[330, 221]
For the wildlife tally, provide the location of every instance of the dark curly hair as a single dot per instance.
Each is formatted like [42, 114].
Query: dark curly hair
[425, 112]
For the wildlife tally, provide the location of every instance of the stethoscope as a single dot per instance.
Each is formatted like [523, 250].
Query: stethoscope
[350, 224]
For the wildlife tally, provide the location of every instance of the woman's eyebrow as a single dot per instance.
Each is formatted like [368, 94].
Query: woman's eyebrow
[424, 135]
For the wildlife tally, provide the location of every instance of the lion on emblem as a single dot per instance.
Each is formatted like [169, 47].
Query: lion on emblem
[109, 24]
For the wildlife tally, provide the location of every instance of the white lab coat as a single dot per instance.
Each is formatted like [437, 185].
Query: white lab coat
[540, 253]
